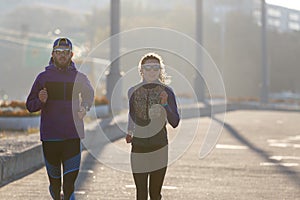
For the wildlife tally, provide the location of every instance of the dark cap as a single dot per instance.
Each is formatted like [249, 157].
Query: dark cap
[62, 42]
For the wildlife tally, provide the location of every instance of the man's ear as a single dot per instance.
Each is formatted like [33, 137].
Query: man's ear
[72, 54]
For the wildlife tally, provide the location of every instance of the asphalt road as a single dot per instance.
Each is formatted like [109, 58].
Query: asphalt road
[256, 157]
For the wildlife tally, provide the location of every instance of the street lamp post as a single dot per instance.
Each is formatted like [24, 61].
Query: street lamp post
[114, 74]
[264, 97]
[199, 82]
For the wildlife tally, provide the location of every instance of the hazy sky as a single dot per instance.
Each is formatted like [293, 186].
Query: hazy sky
[292, 4]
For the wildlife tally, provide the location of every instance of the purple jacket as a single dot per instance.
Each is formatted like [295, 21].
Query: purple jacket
[59, 119]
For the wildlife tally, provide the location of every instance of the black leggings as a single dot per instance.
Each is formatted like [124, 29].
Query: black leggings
[155, 184]
[146, 165]
[68, 154]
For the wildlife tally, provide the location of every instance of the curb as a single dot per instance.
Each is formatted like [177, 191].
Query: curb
[19, 123]
[21, 164]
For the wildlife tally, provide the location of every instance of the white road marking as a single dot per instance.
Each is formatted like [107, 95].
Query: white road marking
[283, 143]
[279, 158]
[296, 145]
[294, 138]
[279, 164]
[79, 192]
[166, 187]
[87, 171]
[277, 141]
[228, 146]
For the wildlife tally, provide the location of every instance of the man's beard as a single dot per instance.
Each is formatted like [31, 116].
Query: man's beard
[63, 64]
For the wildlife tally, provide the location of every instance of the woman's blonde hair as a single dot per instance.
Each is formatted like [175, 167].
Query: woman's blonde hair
[163, 75]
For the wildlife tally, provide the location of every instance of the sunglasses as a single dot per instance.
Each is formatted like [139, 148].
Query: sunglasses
[149, 67]
[62, 51]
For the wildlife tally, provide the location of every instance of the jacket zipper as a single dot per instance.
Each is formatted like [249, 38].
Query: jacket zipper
[147, 105]
[147, 112]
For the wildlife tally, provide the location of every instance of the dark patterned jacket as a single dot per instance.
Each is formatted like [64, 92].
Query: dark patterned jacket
[149, 130]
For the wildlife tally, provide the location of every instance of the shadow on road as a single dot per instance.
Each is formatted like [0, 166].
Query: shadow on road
[291, 174]
[112, 133]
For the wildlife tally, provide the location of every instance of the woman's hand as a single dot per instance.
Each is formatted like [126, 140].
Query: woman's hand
[163, 97]
[128, 138]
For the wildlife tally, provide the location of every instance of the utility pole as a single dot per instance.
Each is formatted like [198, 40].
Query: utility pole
[92, 34]
[264, 96]
[114, 73]
[199, 82]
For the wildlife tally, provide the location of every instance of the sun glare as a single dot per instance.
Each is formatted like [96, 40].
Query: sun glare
[291, 4]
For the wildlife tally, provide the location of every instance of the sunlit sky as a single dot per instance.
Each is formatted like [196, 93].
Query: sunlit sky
[292, 4]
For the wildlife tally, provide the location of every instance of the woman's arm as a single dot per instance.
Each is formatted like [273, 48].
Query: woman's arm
[171, 109]
[131, 125]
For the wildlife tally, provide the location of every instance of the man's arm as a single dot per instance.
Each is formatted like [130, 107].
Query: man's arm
[87, 93]
[33, 102]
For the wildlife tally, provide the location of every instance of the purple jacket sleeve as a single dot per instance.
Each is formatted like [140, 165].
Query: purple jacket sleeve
[33, 103]
[87, 92]
[171, 109]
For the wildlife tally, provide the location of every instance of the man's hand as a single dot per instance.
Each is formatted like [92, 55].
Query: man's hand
[81, 112]
[43, 95]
